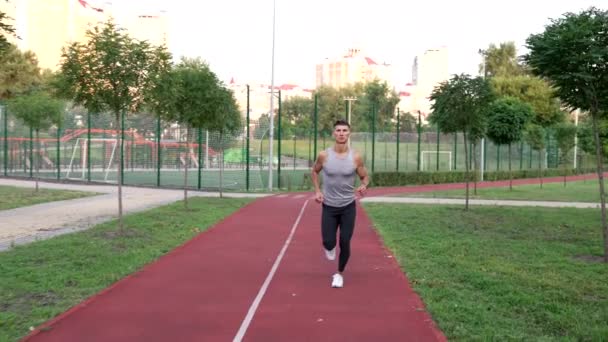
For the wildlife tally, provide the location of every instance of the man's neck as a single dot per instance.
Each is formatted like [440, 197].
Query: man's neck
[340, 148]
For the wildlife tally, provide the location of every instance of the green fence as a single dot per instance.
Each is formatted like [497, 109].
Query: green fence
[157, 153]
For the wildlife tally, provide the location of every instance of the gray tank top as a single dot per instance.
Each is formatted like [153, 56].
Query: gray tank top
[338, 179]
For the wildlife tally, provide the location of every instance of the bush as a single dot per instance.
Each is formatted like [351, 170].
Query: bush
[419, 178]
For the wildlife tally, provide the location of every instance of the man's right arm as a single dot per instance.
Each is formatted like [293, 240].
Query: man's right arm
[316, 168]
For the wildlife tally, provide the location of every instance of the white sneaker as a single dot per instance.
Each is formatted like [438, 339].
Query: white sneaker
[330, 255]
[337, 280]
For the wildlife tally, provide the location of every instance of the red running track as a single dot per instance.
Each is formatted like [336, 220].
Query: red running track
[203, 290]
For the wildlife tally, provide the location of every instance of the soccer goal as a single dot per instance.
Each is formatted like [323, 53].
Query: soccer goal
[424, 154]
[78, 161]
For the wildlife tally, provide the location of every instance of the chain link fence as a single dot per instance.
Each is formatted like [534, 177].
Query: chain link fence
[162, 154]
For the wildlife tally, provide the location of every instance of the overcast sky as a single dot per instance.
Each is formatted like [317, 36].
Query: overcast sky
[235, 36]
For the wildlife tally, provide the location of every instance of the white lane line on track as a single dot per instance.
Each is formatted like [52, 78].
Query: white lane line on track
[256, 302]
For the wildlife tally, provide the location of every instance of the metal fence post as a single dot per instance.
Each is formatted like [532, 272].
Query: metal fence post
[31, 153]
[279, 149]
[247, 151]
[373, 137]
[398, 116]
[200, 157]
[88, 146]
[4, 112]
[158, 151]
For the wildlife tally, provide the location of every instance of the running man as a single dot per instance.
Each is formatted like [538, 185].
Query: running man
[339, 165]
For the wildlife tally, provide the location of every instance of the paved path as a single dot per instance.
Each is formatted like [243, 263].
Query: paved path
[26, 224]
[259, 275]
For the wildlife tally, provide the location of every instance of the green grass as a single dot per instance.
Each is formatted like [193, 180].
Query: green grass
[15, 197]
[579, 191]
[40, 280]
[495, 274]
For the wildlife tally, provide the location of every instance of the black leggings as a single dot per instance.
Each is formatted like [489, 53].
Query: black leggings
[344, 217]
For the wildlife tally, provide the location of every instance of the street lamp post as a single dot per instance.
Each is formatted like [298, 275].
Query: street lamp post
[349, 107]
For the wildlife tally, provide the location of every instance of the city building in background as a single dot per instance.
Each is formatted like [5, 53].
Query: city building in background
[46, 26]
[351, 68]
[428, 71]
[259, 96]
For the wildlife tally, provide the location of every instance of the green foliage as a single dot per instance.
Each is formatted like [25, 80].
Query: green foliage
[564, 134]
[332, 106]
[37, 110]
[535, 92]
[585, 137]
[420, 178]
[19, 72]
[500, 61]
[5, 29]
[111, 71]
[534, 136]
[458, 104]
[297, 115]
[507, 118]
[572, 54]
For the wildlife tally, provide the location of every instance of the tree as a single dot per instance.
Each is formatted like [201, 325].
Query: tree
[571, 53]
[535, 137]
[297, 113]
[226, 119]
[192, 101]
[534, 91]
[19, 72]
[458, 106]
[507, 118]
[5, 30]
[38, 111]
[564, 134]
[111, 72]
[500, 61]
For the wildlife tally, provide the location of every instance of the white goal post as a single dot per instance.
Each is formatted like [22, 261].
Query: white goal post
[80, 146]
[423, 153]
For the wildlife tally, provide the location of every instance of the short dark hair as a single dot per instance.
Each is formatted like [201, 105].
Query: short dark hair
[341, 122]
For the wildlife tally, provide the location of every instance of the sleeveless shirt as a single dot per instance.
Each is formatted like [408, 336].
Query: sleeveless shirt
[338, 179]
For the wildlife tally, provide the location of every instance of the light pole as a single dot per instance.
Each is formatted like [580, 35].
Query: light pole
[349, 108]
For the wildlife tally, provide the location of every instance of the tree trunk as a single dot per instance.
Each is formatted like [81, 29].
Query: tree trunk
[186, 162]
[221, 164]
[600, 175]
[119, 129]
[510, 172]
[466, 173]
[37, 158]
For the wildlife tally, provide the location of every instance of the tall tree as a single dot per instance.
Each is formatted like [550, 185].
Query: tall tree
[39, 111]
[571, 53]
[500, 61]
[534, 91]
[111, 72]
[19, 72]
[507, 118]
[225, 119]
[564, 134]
[6, 29]
[192, 100]
[458, 106]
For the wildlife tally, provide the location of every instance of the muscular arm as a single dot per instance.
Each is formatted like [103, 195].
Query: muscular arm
[316, 168]
[362, 173]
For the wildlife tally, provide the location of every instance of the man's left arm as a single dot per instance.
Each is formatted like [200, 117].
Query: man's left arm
[362, 173]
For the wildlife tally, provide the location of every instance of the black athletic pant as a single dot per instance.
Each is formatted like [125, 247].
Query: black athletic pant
[331, 219]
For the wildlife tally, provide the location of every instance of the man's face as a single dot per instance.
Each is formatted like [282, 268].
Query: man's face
[341, 134]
